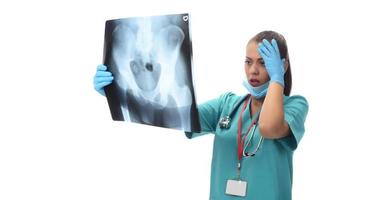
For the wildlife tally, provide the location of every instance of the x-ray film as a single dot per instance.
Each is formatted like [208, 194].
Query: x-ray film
[151, 61]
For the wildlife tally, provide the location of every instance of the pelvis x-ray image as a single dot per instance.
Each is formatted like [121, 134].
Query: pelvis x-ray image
[151, 61]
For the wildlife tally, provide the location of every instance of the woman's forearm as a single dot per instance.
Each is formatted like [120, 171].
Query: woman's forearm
[271, 120]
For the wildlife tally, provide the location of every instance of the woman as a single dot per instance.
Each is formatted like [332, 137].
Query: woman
[255, 134]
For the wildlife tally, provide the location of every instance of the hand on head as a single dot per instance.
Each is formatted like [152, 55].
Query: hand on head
[273, 63]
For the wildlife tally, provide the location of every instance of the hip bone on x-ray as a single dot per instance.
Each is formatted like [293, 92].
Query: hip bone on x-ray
[151, 61]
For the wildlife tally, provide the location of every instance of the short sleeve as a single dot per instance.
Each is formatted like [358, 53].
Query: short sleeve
[295, 113]
[209, 114]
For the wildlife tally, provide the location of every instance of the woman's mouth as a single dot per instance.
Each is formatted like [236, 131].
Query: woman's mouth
[254, 82]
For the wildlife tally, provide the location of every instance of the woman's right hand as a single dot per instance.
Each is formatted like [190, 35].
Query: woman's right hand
[102, 78]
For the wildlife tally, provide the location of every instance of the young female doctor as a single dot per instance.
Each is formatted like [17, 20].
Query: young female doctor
[255, 134]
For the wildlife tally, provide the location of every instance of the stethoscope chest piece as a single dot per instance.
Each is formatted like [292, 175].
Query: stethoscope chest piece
[225, 122]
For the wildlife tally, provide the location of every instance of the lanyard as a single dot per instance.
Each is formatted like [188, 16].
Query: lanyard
[240, 140]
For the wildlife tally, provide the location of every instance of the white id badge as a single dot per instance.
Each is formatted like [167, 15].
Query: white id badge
[236, 187]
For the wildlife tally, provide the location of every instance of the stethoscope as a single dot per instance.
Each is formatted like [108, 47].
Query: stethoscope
[225, 122]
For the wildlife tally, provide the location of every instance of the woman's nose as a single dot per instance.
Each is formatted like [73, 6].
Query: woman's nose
[253, 69]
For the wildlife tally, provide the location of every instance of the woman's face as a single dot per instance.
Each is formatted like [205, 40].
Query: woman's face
[255, 69]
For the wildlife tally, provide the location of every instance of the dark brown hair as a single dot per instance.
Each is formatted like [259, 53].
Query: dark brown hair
[283, 50]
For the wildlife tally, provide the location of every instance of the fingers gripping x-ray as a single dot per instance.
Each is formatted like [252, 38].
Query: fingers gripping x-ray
[152, 72]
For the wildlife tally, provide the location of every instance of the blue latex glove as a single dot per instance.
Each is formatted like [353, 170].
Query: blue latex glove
[271, 57]
[102, 78]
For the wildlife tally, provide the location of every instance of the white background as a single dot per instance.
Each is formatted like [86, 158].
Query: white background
[57, 139]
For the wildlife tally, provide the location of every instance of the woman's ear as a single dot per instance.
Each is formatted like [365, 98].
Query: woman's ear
[286, 64]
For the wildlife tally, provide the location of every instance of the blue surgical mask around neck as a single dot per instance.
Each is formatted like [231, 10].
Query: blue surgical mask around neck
[257, 92]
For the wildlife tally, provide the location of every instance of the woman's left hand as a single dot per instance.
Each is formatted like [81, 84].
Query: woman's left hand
[271, 57]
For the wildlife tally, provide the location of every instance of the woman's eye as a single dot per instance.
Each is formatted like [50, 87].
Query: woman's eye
[262, 62]
[247, 62]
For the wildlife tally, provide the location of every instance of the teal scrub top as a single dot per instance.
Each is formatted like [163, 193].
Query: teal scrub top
[269, 172]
